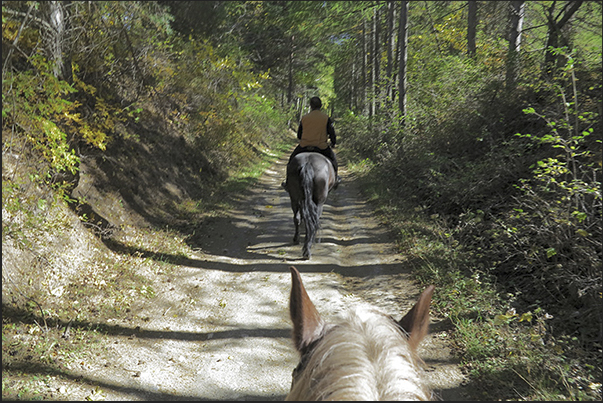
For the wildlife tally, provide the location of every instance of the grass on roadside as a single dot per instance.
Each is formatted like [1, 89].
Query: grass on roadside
[508, 355]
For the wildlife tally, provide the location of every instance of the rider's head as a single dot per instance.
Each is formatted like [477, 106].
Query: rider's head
[315, 103]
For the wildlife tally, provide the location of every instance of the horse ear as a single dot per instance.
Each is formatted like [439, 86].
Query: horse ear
[416, 321]
[307, 323]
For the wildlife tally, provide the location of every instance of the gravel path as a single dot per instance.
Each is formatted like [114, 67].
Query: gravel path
[219, 327]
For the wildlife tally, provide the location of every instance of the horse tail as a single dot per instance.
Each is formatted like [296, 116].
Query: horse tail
[308, 207]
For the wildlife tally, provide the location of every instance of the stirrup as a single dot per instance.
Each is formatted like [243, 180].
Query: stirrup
[337, 182]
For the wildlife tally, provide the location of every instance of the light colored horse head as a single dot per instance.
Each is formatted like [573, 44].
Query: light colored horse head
[369, 356]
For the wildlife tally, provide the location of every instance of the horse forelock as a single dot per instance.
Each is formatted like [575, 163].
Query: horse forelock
[366, 357]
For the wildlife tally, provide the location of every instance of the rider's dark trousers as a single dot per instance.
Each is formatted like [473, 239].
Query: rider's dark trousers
[327, 152]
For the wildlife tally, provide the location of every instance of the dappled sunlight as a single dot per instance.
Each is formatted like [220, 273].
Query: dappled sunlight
[218, 324]
[240, 261]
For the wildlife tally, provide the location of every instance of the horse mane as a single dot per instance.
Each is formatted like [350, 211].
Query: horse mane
[368, 356]
[362, 358]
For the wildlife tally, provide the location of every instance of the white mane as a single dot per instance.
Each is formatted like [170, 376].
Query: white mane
[366, 357]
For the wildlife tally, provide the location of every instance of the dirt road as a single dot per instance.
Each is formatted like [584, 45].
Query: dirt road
[219, 327]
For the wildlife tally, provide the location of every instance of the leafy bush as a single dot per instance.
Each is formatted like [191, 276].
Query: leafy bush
[553, 234]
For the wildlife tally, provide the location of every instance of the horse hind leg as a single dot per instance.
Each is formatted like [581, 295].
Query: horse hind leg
[306, 254]
[309, 241]
[296, 222]
[310, 219]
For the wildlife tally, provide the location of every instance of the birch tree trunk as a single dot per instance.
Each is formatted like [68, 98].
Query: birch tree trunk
[56, 38]
[364, 67]
[290, 72]
[376, 60]
[370, 73]
[516, 27]
[391, 42]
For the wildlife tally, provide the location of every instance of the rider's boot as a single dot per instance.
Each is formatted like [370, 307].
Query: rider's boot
[337, 181]
[284, 185]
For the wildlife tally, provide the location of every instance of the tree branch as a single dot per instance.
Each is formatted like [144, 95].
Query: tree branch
[14, 44]
[27, 15]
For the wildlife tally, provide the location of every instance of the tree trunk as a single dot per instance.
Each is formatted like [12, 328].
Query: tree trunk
[353, 90]
[300, 111]
[364, 66]
[376, 60]
[56, 38]
[370, 74]
[403, 51]
[555, 25]
[471, 28]
[290, 86]
[391, 43]
[516, 18]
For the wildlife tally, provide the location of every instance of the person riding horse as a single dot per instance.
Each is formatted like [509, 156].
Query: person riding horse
[313, 131]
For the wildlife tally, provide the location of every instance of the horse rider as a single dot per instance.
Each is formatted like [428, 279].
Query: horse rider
[313, 131]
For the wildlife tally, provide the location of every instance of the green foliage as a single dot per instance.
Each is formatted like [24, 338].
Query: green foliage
[354, 128]
[33, 102]
[520, 211]
[219, 102]
[555, 226]
[516, 350]
[132, 37]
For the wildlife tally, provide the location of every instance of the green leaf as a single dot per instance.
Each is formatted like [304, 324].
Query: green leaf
[526, 316]
[580, 216]
[42, 204]
[503, 319]
[550, 252]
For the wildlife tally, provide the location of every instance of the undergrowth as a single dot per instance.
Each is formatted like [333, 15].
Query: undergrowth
[507, 349]
[499, 204]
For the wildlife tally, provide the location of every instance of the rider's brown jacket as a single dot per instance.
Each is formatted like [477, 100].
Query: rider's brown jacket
[313, 130]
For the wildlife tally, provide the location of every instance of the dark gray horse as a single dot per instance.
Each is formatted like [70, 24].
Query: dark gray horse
[310, 177]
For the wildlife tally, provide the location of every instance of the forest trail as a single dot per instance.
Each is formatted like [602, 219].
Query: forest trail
[219, 327]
